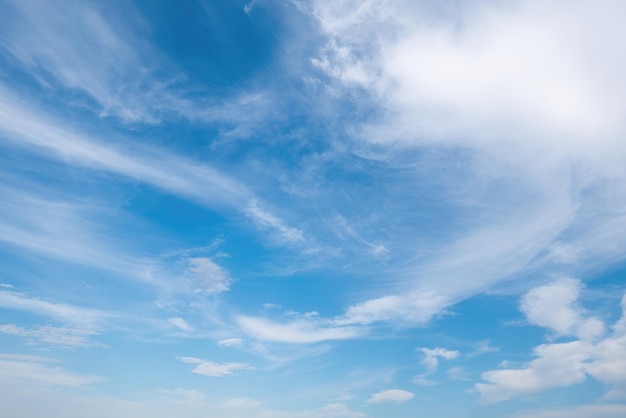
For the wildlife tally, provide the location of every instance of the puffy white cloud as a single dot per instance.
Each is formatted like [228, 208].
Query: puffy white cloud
[562, 364]
[391, 395]
[554, 306]
[558, 365]
[608, 365]
[486, 70]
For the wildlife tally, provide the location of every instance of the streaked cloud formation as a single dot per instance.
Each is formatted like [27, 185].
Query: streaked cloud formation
[369, 206]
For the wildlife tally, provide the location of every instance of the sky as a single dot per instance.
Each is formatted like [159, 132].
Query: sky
[313, 208]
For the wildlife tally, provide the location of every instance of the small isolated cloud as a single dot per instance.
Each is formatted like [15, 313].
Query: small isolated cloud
[6, 285]
[391, 395]
[207, 276]
[209, 368]
[230, 342]
[181, 324]
[432, 356]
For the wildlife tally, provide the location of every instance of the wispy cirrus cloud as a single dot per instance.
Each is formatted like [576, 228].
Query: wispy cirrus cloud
[107, 54]
[23, 125]
[70, 314]
[53, 335]
[34, 371]
[304, 331]
[528, 164]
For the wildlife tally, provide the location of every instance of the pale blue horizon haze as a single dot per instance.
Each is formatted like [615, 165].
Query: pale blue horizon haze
[312, 209]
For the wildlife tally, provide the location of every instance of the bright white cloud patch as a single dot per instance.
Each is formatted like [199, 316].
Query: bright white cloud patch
[299, 331]
[391, 395]
[554, 306]
[315, 188]
[230, 342]
[432, 356]
[209, 368]
[560, 364]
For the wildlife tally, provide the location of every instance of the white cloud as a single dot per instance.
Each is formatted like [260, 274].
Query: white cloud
[608, 365]
[264, 220]
[27, 358]
[561, 364]
[620, 326]
[516, 69]
[209, 368]
[299, 331]
[181, 324]
[105, 53]
[87, 318]
[416, 307]
[553, 306]
[24, 125]
[391, 395]
[558, 365]
[432, 356]
[230, 342]
[206, 276]
[529, 95]
[47, 334]
[192, 360]
[34, 372]
[72, 231]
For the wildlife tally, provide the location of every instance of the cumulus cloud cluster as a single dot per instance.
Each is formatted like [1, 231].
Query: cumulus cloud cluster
[590, 351]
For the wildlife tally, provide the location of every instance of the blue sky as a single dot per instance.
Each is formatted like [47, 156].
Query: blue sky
[312, 209]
